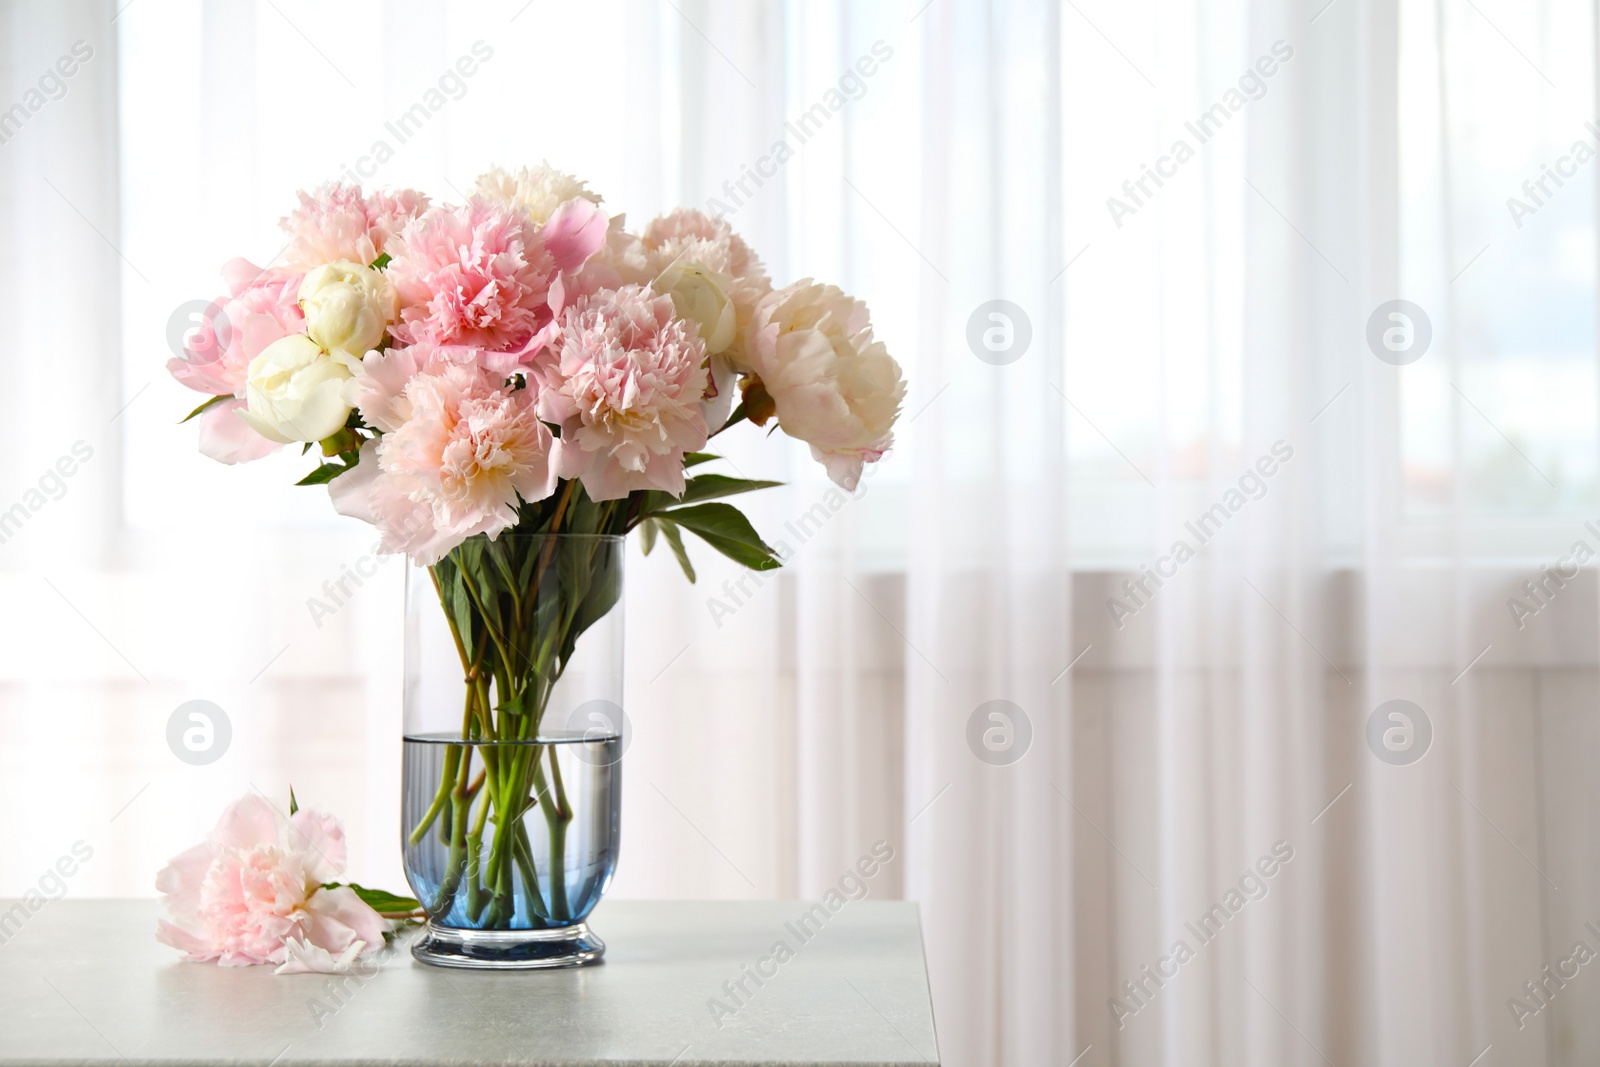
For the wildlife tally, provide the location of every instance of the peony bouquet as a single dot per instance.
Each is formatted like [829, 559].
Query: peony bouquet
[524, 363]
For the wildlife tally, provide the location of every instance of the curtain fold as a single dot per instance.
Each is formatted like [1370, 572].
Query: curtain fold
[1141, 793]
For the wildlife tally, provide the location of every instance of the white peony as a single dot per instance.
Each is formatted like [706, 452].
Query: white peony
[293, 391]
[536, 190]
[347, 308]
[688, 239]
[833, 386]
[701, 296]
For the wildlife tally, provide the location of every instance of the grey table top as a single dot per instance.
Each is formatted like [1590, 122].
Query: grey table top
[86, 982]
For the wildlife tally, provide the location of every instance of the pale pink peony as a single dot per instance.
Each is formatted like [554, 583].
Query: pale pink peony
[624, 378]
[378, 388]
[834, 386]
[715, 280]
[691, 236]
[475, 275]
[466, 454]
[620, 260]
[256, 883]
[338, 223]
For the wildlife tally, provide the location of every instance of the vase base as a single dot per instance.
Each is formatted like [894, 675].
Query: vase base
[565, 946]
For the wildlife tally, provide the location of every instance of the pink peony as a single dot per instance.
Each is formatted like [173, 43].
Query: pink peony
[475, 275]
[256, 883]
[338, 223]
[624, 378]
[458, 465]
[261, 307]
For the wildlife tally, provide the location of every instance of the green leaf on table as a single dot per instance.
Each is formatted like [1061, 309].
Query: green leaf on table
[647, 535]
[380, 900]
[724, 528]
[675, 542]
[208, 402]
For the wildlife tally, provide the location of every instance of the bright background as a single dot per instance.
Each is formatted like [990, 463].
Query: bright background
[774, 746]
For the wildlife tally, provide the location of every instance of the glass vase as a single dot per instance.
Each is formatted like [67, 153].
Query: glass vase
[513, 737]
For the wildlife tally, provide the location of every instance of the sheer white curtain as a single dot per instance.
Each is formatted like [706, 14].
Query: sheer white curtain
[1080, 740]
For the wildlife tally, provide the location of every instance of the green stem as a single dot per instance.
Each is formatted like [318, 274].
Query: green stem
[523, 851]
[523, 664]
[456, 864]
[452, 763]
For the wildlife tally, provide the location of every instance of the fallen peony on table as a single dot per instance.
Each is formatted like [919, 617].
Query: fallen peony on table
[684, 983]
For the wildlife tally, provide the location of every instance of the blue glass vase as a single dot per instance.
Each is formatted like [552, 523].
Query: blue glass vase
[513, 742]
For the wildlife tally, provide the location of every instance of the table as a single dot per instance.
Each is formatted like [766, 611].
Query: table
[86, 983]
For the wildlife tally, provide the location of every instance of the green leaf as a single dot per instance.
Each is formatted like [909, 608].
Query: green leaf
[675, 542]
[517, 705]
[647, 535]
[381, 262]
[209, 401]
[294, 805]
[694, 459]
[460, 607]
[724, 528]
[380, 900]
[705, 487]
[325, 473]
[736, 416]
[713, 486]
[498, 552]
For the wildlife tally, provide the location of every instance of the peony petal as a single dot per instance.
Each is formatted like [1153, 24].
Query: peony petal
[239, 273]
[575, 231]
[227, 437]
[843, 467]
[321, 840]
[249, 821]
[196, 949]
[303, 957]
[202, 377]
[718, 404]
[180, 880]
[337, 917]
[257, 333]
[260, 429]
[351, 492]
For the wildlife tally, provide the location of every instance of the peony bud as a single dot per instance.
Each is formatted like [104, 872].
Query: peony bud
[347, 308]
[293, 391]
